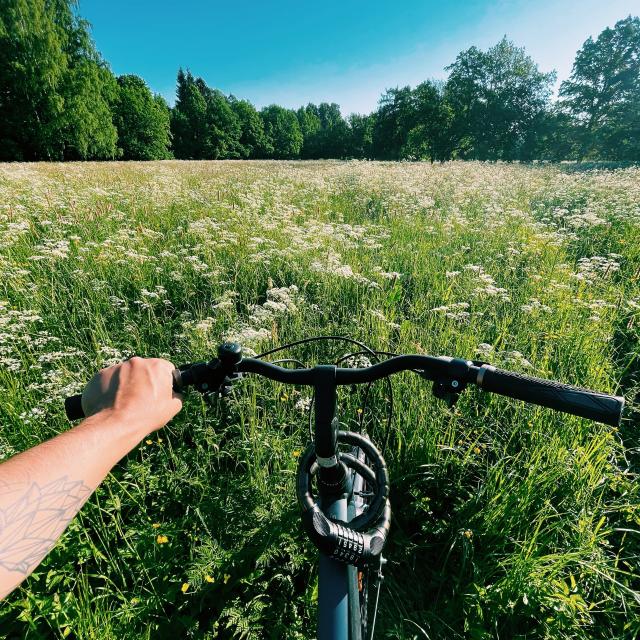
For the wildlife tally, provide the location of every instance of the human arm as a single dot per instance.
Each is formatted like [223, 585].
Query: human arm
[42, 489]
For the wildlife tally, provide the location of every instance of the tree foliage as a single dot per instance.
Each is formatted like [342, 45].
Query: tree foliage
[392, 123]
[497, 98]
[253, 143]
[603, 93]
[430, 136]
[360, 136]
[203, 124]
[282, 132]
[188, 118]
[142, 121]
[60, 101]
[55, 90]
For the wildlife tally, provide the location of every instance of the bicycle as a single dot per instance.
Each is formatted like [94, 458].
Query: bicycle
[349, 520]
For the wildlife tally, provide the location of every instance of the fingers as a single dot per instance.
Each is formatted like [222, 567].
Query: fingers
[165, 367]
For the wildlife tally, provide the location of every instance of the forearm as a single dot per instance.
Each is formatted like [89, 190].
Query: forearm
[42, 489]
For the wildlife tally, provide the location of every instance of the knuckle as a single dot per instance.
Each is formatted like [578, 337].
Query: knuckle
[162, 364]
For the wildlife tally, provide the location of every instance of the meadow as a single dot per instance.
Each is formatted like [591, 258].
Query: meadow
[509, 521]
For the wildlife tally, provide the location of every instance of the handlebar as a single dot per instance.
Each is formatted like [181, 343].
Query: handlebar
[450, 376]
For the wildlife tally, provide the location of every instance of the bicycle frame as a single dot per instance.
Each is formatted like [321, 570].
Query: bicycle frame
[338, 602]
[333, 593]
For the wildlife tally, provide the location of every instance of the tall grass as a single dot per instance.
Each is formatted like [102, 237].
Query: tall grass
[510, 521]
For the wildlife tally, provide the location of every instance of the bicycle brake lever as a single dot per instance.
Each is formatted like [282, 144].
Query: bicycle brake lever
[453, 383]
[223, 391]
[227, 385]
[443, 390]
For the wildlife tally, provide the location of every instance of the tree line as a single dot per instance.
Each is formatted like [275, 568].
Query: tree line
[60, 101]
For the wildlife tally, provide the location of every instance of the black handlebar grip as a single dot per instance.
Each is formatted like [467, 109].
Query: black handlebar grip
[555, 395]
[73, 407]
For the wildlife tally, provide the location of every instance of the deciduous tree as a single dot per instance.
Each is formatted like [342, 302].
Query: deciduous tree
[603, 93]
[497, 97]
[142, 121]
[55, 90]
[360, 135]
[252, 138]
[282, 132]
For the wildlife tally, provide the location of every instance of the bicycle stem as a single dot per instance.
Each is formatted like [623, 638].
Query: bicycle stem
[332, 475]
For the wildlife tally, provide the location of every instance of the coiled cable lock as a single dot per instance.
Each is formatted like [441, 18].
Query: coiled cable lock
[360, 541]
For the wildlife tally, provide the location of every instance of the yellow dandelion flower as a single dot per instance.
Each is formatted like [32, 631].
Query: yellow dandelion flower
[296, 453]
[162, 539]
[185, 587]
[208, 578]
[476, 450]
[359, 411]
[149, 441]
[160, 440]
[468, 534]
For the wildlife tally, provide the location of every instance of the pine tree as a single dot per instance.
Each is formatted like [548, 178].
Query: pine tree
[203, 124]
[189, 119]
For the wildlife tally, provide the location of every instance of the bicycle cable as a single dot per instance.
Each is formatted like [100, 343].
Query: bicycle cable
[379, 579]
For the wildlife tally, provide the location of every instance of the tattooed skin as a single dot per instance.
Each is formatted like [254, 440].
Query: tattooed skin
[34, 519]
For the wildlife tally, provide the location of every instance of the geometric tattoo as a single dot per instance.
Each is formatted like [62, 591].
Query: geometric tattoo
[35, 518]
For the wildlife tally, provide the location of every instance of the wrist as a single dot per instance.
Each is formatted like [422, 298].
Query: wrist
[118, 425]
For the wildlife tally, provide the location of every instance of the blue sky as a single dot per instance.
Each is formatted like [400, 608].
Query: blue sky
[345, 51]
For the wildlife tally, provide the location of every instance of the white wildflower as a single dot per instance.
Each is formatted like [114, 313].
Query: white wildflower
[303, 405]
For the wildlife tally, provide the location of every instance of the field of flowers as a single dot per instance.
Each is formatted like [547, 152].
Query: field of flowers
[509, 521]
